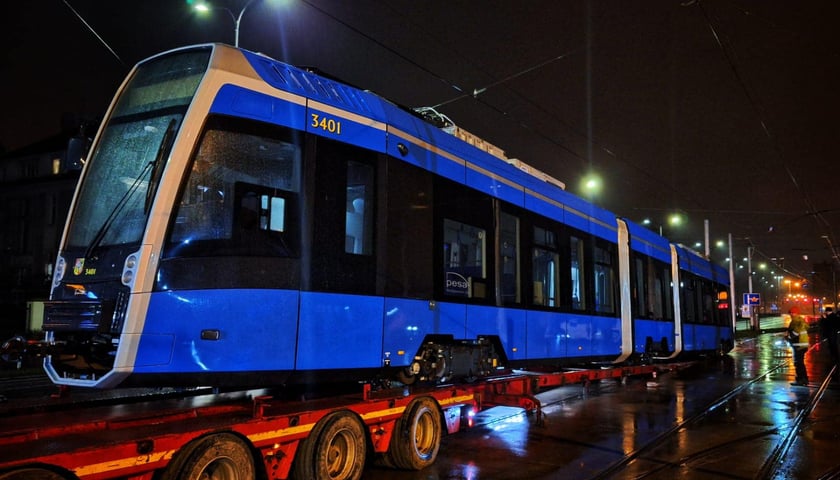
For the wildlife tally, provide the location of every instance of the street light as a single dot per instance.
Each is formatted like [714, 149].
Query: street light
[203, 7]
[673, 220]
[591, 186]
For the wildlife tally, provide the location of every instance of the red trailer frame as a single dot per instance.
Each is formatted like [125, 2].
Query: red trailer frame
[181, 435]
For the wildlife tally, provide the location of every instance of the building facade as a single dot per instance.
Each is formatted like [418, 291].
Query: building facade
[36, 188]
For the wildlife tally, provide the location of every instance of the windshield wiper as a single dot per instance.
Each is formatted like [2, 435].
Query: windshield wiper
[156, 168]
[106, 225]
[157, 164]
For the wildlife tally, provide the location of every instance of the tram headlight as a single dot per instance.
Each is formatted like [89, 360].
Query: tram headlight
[129, 269]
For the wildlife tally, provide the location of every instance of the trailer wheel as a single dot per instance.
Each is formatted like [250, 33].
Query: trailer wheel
[13, 350]
[216, 457]
[334, 449]
[416, 438]
[32, 474]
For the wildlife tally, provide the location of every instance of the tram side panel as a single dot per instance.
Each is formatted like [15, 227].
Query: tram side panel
[704, 305]
[655, 332]
[325, 236]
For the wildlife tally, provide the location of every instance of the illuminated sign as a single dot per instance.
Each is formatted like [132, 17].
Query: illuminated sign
[752, 299]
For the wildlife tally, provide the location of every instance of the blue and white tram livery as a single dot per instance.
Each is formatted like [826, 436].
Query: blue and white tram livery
[705, 322]
[242, 222]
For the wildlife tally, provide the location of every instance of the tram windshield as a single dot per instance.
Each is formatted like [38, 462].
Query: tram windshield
[116, 192]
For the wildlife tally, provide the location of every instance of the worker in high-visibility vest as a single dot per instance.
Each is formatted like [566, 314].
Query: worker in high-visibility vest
[797, 335]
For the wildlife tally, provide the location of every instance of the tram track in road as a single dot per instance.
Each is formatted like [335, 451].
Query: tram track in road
[694, 461]
[782, 447]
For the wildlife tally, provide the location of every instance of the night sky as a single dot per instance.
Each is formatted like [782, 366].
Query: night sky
[721, 110]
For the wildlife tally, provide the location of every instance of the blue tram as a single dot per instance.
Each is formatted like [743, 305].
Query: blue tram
[242, 222]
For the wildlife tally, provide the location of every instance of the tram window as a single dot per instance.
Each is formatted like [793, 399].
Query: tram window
[242, 180]
[604, 272]
[698, 301]
[652, 284]
[545, 266]
[659, 288]
[708, 303]
[358, 223]
[464, 263]
[655, 289]
[640, 289]
[545, 238]
[509, 257]
[690, 300]
[578, 273]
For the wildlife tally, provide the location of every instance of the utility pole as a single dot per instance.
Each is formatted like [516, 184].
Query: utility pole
[732, 312]
[753, 316]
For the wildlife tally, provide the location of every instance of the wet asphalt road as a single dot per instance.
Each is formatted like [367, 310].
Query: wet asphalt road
[590, 431]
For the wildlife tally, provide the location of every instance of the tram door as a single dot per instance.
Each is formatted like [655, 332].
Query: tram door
[343, 254]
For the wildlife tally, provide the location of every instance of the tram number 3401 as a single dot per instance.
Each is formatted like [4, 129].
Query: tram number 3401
[326, 124]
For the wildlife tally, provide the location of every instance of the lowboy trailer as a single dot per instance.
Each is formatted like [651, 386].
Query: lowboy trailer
[248, 434]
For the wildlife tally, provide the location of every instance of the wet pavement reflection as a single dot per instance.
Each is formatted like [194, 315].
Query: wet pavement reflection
[725, 418]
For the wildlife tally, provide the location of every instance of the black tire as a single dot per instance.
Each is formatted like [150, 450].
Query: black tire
[335, 449]
[13, 350]
[215, 457]
[32, 474]
[417, 434]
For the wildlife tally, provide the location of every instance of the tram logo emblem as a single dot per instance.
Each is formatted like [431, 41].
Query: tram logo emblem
[79, 266]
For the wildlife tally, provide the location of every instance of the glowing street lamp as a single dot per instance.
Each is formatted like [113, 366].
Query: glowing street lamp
[675, 220]
[591, 185]
[204, 7]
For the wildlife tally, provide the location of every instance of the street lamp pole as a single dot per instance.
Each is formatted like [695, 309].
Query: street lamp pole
[237, 19]
[779, 290]
[732, 286]
[753, 319]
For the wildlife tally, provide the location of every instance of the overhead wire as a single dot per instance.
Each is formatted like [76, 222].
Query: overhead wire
[464, 93]
[384, 46]
[99, 37]
[477, 92]
[758, 108]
